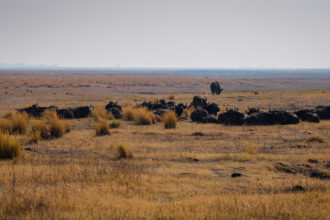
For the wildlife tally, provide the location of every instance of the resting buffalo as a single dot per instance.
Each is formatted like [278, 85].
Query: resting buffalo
[81, 112]
[70, 113]
[35, 110]
[271, 118]
[231, 117]
[308, 115]
[199, 115]
[323, 112]
[212, 108]
[65, 113]
[215, 88]
[252, 110]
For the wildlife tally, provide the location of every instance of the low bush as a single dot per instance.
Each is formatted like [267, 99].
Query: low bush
[38, 126]
[6, 125]
[55, 127]
[102, 127]
[67, 126]
[142, 116]
[18, 122]
[9, 147]
[100, 113]
[171, 97]
[169, 120]
[128, 114]
[50, 116]
[114, 124]
[35, 136]
[123, 152]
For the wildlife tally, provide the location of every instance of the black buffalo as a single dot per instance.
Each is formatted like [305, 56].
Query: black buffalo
[215, 88]
[308, 115]
[252, 110]
[179, 109]
[323, 112]
[199, 101]
[211, 108]
[82, 111]
[199, 115]
[35, 110]
[77, 112]
[272, 117]
[114, 108]
[231, 117]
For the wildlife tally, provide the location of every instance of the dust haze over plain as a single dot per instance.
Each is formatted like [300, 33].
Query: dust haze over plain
[166, 34]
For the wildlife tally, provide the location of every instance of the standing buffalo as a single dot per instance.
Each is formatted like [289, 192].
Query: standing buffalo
[215, 88]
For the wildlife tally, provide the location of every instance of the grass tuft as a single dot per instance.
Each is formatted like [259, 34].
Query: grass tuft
[251, 149]
[6, 125]
[142, 116]
[55, 127]
[100, 113]
[123, 152]
[9, 147]
[14, 122]
[128, 114]
[102, 127]
[169, 120]
[115, 124]
[171, 97]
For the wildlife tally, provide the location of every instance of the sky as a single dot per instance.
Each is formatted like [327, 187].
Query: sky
[166, 33]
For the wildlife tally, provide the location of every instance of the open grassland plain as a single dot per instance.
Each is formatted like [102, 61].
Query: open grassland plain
[192, 171]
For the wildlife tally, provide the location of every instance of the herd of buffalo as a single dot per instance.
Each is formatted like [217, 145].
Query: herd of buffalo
[203, 112]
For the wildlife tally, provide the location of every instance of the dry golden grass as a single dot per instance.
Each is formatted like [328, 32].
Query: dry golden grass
[202, 91]
[185, 114]
[115, 124]
[6, 125]
[54, 126]
[39, 127]
[67, 126]
[315, 138]
[102, 127]
[100, 113]
[175, 174]
[14, 122]
[9, 146]
[169, 120]
[142, 116]
[251, 149]
[171, 97]
[128, 113]
[123, 152]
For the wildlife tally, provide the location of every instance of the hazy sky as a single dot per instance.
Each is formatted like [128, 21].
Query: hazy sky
[166, 33]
